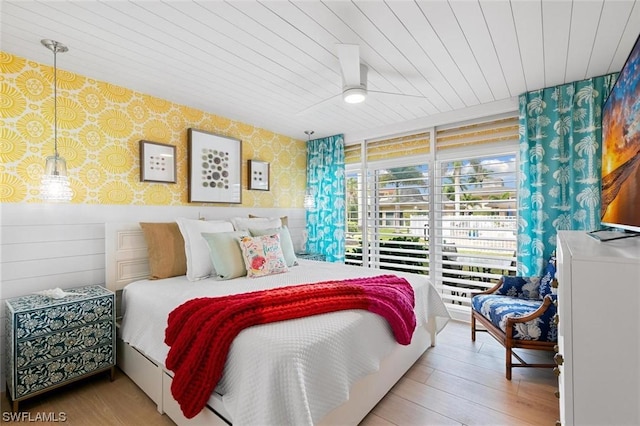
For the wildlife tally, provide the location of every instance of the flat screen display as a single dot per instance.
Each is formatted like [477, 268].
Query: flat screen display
[621, 148]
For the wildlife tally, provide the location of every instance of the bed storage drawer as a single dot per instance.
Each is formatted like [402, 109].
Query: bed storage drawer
[207, 417]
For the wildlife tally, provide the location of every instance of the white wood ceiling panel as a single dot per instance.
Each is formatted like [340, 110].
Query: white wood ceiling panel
[610, 30]
[97, 58]
[333, 20]
[503, 33]
[120, 45]
[284, 32]
[240, 78]
[556, 18]
[527, 16]
[584, 27]
[316, 42]
[442, 71]
[383, 74]
[419, 70]
[384, 60]
[418, 66]
[627, 40]
[442, 19]
[272, 38]
[471, 20]
[207, 46]
[262, 62]
[328, 19]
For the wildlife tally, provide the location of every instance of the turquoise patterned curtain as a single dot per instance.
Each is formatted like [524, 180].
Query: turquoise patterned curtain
[560, 162]
[325, 179]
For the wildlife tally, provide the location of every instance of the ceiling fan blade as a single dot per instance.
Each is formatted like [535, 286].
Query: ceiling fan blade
[399, 98]
[319, 105]
[349, 56]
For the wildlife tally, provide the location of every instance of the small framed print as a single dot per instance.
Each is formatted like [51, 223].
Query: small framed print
[258, 175]
[157, 162]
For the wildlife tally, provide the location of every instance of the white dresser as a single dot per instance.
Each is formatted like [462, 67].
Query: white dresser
[598, 330]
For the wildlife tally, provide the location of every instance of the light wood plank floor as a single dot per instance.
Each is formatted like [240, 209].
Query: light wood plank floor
[457, 382]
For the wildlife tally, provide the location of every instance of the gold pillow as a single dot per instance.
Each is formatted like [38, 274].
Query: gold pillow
[166, 250]
[283, 219]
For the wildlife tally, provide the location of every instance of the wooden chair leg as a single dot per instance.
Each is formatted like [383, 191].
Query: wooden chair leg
[473, 328]
[509, 349]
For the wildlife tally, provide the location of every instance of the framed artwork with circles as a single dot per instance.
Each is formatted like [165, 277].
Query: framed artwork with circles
[215, 164]
[157, 162]
[258, 175]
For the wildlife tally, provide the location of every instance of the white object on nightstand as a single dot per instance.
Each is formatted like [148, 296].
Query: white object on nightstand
[56, 293]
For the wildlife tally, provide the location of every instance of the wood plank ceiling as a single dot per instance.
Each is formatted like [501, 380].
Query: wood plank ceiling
[264, 62]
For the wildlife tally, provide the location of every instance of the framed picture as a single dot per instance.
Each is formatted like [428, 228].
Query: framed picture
[258, 175]
[215, 163]
[157, 162]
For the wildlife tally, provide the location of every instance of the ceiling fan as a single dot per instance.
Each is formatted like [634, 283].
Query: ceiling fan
[354, 82]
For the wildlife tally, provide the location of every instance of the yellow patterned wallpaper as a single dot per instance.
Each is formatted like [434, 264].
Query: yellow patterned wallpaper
[99, 129]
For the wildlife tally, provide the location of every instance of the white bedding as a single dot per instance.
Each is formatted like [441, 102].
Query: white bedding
[291, 372]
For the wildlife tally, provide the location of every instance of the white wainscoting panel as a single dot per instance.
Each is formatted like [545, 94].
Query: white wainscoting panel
[44, 246]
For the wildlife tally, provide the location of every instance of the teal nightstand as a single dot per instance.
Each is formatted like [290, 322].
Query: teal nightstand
[311, 256]
[51, 342]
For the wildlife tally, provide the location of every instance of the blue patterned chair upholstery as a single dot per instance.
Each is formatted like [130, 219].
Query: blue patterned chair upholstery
[520, 312]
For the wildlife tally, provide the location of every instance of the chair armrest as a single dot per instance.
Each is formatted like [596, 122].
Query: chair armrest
[548, 304]
[492, 289]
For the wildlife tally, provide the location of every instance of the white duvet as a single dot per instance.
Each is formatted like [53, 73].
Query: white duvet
[290, 372]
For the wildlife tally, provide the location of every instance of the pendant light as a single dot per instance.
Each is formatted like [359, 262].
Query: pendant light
[309, 194]
[55, 182]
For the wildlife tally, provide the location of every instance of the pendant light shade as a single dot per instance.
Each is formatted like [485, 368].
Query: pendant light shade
[54, 185]
[55, 182]
[309, 200]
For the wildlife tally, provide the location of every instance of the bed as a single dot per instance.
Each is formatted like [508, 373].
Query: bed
[326, 369]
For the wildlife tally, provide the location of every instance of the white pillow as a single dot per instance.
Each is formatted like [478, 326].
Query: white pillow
[196, 249]
[246, 223]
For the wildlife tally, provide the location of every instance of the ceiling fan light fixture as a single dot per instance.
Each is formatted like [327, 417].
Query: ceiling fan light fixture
[354, 95]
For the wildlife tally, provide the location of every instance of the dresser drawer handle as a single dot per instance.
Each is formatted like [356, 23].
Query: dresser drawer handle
[554, 283]
[558, 359]
[556, 371]
[557, 394]
[556, 319]
[556, 348]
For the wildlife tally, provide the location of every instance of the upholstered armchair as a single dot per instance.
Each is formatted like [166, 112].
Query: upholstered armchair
[520, 312]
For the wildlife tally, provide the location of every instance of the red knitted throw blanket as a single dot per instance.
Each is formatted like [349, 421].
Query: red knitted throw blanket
[200, 331]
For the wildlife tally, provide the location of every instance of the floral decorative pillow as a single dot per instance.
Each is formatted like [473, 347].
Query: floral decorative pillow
[262, 255]
[520, 287]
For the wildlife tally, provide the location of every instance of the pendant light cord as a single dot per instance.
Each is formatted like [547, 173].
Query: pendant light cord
[55, 106]
[56, 47]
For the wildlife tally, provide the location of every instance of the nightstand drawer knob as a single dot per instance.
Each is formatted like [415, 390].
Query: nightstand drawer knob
[558, 359]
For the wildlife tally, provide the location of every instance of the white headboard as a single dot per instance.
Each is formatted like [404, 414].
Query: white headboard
[126, 258]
